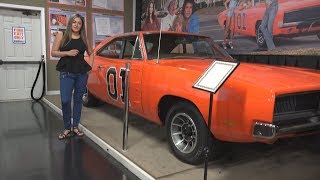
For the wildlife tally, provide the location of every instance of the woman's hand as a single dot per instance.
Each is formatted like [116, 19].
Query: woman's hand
[73, 52]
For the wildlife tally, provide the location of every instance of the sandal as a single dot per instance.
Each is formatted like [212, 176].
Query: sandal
[224, 45]
[231, 45]
[77, 132]
[66, 134]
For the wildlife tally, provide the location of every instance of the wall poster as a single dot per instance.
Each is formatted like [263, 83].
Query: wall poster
[58, 20]
[105, 26]
[294, 30]
[70, 2]
[117, 5]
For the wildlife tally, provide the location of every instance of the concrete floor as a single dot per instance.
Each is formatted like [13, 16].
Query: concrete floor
[30, 149]
[294, 159]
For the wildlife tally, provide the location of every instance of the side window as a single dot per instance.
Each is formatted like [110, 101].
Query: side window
[112, 50]
[151, 49]
[183, 49]
[132, 48]
[137, 50]
[128, 49]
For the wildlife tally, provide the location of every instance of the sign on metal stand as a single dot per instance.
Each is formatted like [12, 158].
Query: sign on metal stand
[211, 80]
[126, 108]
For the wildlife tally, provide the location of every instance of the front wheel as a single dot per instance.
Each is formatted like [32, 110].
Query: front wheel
[187, 133]
[261, 42]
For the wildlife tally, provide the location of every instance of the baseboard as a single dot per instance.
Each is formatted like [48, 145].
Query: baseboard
[52, 93]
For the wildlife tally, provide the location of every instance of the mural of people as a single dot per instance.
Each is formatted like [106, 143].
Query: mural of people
[151, 22]
[244, 19]
[166, 23]
[191, 20]
[177, 24]
[229, 29]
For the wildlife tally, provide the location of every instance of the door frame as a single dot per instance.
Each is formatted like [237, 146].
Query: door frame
[42, 26]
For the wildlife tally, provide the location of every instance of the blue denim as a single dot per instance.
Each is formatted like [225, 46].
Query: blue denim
[70, 82]
[267, 25]
[232, 6]
[193, 24]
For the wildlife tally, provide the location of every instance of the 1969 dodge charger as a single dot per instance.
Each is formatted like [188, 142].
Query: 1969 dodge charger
[258, 103]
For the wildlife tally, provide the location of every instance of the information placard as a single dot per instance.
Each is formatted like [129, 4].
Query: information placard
[217, 73]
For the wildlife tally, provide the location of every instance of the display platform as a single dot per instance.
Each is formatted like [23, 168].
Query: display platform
[149, 157]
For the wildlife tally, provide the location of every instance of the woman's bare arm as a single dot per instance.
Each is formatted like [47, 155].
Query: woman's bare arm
[225, 4]
[90, 53]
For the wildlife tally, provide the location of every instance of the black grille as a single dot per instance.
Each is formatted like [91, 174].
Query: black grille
[306, 14]
[294, 103]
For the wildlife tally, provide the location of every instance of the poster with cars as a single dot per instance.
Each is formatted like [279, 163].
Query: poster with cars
[105, 26]
[293, 26]
[117, 5]
[70, 2]
[58, 20]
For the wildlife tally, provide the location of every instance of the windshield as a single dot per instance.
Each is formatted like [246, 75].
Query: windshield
[183, 46]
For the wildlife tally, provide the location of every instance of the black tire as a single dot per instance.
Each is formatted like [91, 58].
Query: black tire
[259, 36]
[194, 131]
[88, 100]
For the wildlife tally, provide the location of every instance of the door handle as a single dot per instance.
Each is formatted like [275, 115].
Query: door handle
[100, 67]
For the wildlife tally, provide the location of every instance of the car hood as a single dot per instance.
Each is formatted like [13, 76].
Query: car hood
[281, 78]
[274, 78]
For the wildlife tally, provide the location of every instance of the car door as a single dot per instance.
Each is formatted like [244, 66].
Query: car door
[110, 72]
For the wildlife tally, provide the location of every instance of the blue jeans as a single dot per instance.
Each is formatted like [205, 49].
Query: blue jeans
[69, 82]
[267, 25]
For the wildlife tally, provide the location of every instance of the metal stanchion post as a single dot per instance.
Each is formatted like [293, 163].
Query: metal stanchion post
[126, 108]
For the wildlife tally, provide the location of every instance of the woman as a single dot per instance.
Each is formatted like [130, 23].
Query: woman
[177, 24]
[152, 22]
[70, 47]
[191, 21]
[229, 22]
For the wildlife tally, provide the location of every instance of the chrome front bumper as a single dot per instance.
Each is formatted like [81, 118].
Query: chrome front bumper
[271, 131]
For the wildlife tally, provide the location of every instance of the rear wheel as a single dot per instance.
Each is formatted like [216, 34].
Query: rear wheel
[259, 36]
[88, 100]
[187, 133]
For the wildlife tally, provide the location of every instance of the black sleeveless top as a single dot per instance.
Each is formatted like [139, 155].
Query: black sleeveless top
[74, 64]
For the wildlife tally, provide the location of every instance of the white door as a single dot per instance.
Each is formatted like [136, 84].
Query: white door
[16, 80]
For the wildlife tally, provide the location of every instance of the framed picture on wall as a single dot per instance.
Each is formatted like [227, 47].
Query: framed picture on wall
[105, 26]
[117, 5]
[70, 2]
[58, 21]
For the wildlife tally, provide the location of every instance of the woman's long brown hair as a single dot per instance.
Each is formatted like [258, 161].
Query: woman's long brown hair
[67, 36]
[153, 15]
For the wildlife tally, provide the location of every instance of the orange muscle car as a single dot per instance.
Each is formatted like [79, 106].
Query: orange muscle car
[258, 103]
[294, 18]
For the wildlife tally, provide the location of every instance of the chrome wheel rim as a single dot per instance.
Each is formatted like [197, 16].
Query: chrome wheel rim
[183, 132]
